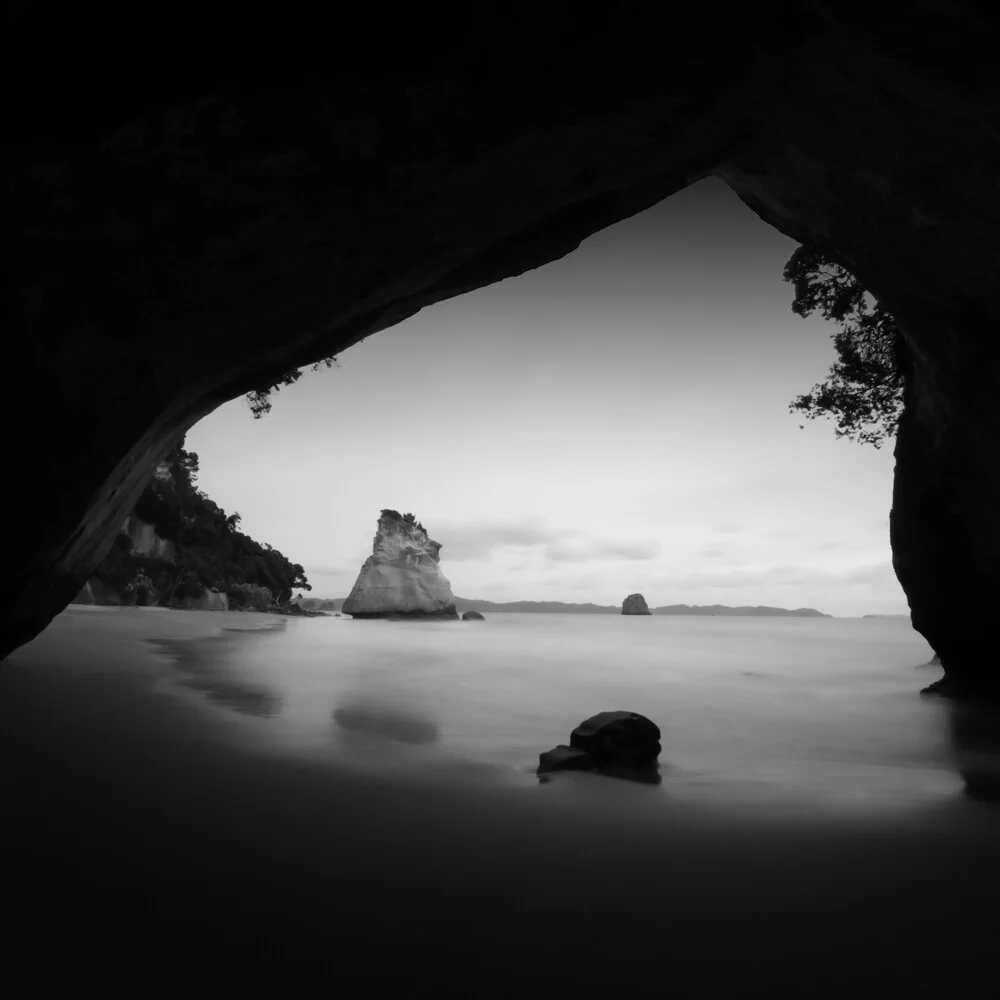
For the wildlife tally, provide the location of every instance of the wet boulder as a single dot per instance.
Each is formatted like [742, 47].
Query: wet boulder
[618, 739]
[472, 616]
[617, 744]
[564, 758]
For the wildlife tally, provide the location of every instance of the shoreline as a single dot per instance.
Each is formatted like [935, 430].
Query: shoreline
[155, 839]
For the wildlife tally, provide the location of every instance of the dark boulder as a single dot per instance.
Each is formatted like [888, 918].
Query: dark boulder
[618, 739]
[472, 616]
[616, 744]
[564, 758]
[635, 604]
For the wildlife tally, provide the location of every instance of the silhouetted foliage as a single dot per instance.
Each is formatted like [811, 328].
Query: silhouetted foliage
[406, 518]
[864, 389]
[260, 399]
[211, 551]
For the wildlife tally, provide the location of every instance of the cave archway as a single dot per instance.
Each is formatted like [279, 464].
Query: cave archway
[179, 238]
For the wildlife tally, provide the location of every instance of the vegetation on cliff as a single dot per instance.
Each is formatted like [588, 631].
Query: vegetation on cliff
[259, 400]
[407, 518]
[212, 553]
[864, 389]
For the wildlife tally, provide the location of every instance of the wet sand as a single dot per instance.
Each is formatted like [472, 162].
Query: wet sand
[155, 848]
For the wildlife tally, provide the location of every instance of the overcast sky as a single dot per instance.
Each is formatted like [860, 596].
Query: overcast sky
[615, 421]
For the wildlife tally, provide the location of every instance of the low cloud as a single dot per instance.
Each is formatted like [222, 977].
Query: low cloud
[877, 576]
[466, 542]
[783, 533]
[728, 529]
[566, 553]
[626, 550]
[587, 550]
[478, 541]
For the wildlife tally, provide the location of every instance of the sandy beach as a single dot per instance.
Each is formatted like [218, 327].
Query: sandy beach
[155, 847]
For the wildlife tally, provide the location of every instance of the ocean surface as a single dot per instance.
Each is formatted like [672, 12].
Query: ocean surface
[817, 712]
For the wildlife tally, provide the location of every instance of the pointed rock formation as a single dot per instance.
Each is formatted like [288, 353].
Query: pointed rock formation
[635, 604]
[401, 578]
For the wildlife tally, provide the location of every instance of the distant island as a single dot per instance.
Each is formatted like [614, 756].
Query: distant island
[560, 607]
[758, 610]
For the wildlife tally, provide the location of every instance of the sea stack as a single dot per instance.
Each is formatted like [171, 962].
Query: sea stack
[635, 604]
[401, 578]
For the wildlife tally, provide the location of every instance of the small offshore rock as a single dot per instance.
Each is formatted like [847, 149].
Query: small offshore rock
[472, 616]
[635, 604]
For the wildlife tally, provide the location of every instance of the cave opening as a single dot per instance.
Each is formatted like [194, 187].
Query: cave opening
[663, 351]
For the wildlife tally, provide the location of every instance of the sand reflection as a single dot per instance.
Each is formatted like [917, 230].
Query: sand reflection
[248, 699]
[385, 718]
[974, 729]
[201, 666]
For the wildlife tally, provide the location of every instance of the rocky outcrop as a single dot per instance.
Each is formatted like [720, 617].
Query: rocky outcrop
[635, 604]
[472, 616]
[236, 229]
[208, 600]
[145, 540]
[617, 744]
[402, 577]
[95, 591]
[324, 604]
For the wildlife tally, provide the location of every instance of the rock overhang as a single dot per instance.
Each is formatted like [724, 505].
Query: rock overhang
[328, 198]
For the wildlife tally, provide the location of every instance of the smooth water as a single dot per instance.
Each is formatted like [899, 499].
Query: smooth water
[358, 798]
[763, 709]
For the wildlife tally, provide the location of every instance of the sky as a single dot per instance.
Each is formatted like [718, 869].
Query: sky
[615, 421]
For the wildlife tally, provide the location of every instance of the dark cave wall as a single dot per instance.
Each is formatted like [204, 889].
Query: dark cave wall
[178, 238]
[906, 198]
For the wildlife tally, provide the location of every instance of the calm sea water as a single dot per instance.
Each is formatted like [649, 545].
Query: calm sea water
[361, 795]
[762, 709]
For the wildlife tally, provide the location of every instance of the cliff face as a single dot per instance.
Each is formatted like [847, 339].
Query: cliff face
[237, 228]
[146, 542]
[401, 576]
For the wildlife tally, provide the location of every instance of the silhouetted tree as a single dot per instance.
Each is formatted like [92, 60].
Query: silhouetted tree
[864, 389]
[260, 399]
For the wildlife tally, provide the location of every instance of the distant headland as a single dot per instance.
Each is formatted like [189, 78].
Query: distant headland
[561, 607]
